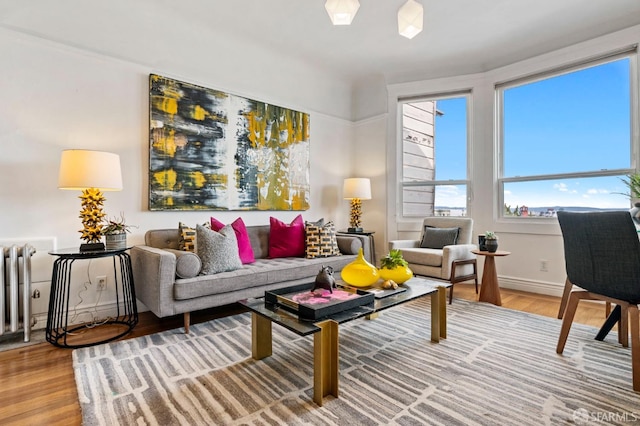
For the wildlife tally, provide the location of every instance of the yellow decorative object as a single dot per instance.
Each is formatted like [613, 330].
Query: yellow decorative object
[360, 273]
[91, 214]
[399, 274]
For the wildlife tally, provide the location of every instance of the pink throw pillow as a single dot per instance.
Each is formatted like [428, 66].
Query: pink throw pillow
[244, 244]
[286, 240]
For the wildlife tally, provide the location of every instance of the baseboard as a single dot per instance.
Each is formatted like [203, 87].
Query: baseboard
[531, 286]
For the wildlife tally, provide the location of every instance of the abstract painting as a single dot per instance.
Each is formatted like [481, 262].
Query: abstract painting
[211, 150]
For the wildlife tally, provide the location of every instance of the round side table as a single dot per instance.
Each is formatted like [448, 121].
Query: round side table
[57, 330]
[490, 290]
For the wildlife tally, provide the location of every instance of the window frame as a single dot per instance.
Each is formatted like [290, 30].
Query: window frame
[629, 53]
[468, 95]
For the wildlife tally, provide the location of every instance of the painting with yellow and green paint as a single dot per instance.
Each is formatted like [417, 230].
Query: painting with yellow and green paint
[211, 150]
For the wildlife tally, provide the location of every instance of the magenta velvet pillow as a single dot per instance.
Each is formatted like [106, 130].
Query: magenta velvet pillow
[244, 244]
[286, 240]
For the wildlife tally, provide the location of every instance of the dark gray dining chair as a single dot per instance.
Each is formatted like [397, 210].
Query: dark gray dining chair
[602, 257]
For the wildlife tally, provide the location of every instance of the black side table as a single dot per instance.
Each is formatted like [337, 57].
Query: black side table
[369, 235]
[57, 329]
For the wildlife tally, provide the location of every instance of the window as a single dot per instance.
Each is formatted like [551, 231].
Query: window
[434, 156]
[566, 139]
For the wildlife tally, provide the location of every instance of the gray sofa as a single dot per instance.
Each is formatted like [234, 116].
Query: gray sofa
[167, 280]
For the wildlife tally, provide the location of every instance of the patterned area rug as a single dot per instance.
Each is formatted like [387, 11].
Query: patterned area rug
[497, 366]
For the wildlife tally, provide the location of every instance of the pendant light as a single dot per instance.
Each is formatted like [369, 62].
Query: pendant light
[342, 12]
[410, 19]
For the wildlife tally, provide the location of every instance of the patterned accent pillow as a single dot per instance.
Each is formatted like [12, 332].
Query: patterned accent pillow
[217, 250]
[437, 238]
[187, 238]
[321, 241]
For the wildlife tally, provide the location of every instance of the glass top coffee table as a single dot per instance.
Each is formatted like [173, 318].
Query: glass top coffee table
[325, 330]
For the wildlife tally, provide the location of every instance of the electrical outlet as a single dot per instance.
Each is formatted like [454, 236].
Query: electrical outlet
[543, 265]
[102, 282]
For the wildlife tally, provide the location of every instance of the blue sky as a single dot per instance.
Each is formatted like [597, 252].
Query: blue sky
[570, 123]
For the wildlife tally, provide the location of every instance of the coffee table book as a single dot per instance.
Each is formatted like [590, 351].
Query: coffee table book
[319, 304]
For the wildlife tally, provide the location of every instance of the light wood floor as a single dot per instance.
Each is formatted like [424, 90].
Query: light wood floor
[37, 385]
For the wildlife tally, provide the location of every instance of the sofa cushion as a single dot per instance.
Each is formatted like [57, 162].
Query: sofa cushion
[260, 273]
[436, 238]
[321, 240]
[188, 265]
[423, 256]
[286, 240]
[244, 244]
[217, 250]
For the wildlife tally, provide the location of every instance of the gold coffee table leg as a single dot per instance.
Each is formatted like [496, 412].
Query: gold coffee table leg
[325, 361]
[442, 298]
[439, 314]
[261, 346]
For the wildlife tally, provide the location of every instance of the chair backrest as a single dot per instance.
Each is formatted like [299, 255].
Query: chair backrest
[464, 223]
[602, 253]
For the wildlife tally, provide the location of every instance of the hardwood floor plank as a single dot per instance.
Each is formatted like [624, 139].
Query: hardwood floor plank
[38, 385]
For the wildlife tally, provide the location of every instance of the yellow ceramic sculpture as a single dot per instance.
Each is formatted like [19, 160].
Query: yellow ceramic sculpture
[360, 273]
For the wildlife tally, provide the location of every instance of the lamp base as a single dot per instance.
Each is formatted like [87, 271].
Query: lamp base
[92, 247]
[355, 229]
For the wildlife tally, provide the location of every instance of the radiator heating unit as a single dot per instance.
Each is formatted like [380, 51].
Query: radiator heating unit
[12, 318]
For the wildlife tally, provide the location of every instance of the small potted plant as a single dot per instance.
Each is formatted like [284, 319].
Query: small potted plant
[491, 241]
[632, 182]
[115, 232]
[394, 267]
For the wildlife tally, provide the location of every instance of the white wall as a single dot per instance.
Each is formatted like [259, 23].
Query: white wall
[529, 242]
[57, 96]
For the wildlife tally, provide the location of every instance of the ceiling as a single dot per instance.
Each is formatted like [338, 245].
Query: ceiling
[460, 36]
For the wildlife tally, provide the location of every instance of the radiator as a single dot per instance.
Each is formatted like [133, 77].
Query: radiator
[10, 320]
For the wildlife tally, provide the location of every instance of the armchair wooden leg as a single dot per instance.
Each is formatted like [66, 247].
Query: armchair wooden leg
[187, 320]
[565, 297]
[475, 274]
[454, 279]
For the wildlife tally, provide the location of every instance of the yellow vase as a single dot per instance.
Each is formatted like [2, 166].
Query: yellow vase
[399, 274]
[360, 273]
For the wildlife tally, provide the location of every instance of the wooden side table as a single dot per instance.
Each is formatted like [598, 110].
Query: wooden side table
[490, 290]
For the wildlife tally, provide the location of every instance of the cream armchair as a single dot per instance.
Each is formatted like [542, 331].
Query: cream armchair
[442, 252]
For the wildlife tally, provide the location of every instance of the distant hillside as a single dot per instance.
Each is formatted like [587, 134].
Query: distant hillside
[567, 209]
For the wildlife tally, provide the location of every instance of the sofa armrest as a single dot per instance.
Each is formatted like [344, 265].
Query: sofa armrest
[364, 241]
[154, 274]
[455, 252]
[348, 244]
[400, 244]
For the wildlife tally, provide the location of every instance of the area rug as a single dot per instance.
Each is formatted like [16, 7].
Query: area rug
[497, 366]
